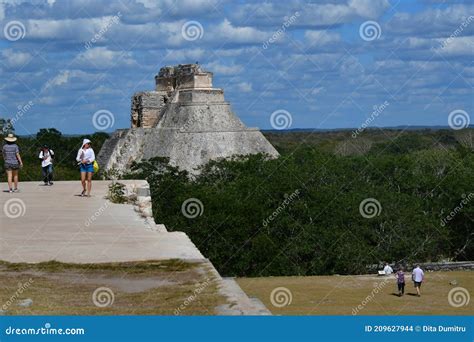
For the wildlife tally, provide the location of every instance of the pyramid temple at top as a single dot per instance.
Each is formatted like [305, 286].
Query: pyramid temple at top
[184, 119]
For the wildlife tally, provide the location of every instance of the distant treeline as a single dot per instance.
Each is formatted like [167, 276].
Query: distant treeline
[330, 204]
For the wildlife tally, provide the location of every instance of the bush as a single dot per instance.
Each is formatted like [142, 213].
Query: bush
[299, 214]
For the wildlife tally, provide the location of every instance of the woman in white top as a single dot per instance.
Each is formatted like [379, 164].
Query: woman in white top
[46, 155]
[86, 157]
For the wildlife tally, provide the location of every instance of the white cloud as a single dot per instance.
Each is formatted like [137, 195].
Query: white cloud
[227, 70]
[102, 58]
[321, 37]
[226, 32]
[185, 55]
[369, 8]
[433, 22]
[13, 59]
[456, 46]
[245, 87]
[311, 14]
[58, 80]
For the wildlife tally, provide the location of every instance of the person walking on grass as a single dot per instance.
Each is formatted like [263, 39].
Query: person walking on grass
[12, 160]
[46, 155]
[418, 276]
[400, 275]
[387, 269]
[86, 158]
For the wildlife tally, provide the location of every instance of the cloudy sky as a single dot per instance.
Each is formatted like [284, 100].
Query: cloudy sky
[328, 64]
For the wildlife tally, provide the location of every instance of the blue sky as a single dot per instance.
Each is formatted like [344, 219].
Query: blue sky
[66, 60]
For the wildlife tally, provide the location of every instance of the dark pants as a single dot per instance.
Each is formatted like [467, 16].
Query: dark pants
[48, 173]
[401, 288]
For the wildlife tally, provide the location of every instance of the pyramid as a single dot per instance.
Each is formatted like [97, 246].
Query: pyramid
[184, 119]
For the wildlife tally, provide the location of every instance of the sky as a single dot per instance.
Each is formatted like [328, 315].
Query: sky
[74, 65]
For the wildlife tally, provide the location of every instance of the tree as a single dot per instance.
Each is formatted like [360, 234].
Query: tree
[6, 126]
[49, 136]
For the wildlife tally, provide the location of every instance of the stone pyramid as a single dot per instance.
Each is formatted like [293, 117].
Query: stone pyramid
[184, 119]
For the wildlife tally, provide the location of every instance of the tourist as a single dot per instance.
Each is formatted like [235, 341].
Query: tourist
[387, 269]
[86, 158]
[46, 155]
[12, 160]
[418, 276]
[400, 275]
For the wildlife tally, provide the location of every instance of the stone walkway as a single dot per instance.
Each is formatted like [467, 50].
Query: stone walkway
[44, 223]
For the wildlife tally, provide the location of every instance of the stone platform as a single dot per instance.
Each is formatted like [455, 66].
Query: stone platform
[54, 223]
[45, 223]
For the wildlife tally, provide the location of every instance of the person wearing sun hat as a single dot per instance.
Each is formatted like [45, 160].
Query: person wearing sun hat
[86, 157]
[12, 160]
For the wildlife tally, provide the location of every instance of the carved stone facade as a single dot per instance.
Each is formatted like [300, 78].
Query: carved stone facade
[184, 119]
[147, 106]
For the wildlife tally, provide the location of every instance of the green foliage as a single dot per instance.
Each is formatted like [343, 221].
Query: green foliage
[117, 193]
[6, 126]
[299, 214]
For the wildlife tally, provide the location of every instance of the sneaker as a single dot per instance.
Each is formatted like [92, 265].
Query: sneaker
[10, 190]
[16, 190]
[50, 183]
[45, 183]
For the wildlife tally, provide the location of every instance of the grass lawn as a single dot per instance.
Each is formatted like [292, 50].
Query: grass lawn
[134, 288]
[341, 295]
